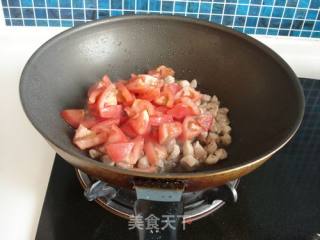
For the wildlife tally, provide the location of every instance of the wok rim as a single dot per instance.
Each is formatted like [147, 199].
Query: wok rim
[170, 175]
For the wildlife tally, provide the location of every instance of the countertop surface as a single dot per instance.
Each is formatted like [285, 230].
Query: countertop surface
[27, 159]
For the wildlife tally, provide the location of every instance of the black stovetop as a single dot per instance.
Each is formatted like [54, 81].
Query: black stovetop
[280, 200]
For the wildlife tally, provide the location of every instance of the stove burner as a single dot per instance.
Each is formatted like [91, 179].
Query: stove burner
[120, 201]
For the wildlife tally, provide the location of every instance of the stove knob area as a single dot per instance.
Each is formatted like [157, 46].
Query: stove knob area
[226, 193]
[100, 189]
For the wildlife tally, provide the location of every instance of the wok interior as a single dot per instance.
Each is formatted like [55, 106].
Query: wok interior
[263, 98]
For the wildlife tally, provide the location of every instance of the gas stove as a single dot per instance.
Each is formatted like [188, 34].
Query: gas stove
[280, 200]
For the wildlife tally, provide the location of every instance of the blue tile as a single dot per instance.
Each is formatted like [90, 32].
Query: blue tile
[284, 32]
[315, 35]
[40, 13]
[312, 14]
[103, 14]
[66, 23]
[27, 13]
[216, 19]
[280, 3]
[143, 4]
[277, 12]
[272, 32]
[91, 3]
[4, 3]
[254, 10]
[217, 8]
[26, 3]
[6, 13]
[116, 13]
[65, 13]
[77, 3]
[193, 7]
[239, 21]
[128, 12]
[286, 23]
[65, 3]
[231, 1]
[317, 26]
[256, 1]
[53, 13]
[242, 10]
[227, 20]
[78, 14]
[230, 9]
[263, 22]
[266, 11]
[292, 3]
[252, 21]
[52, 3]
[300, 14]
[304, 3]
[167, 6]
[305, 34]
[54, 23]
[14, 3]
[294, 33]
[249, 30]
[15, 13]
[205, 7]
[180, 7]
[42, 23]
[268, 2]
[103, 4]
[17, 23]
[116, 4]
[274, 23]
[154, 5]
[8, 22]
[204, 17]
[288, 13]
[244, 1]
[261, 31]
[315, 4]
[308, 25]
[39, 3]
[29, 23]
[91, 14]
[297, 24]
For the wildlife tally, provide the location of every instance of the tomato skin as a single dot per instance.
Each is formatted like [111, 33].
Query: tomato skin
[193, 107]
[205, 121]
[119, 152]
[115, 135]
[127, 129]
[166, 98]
[174, 87]
[114, 111]
[104, 126]
[150, 153]
[73, 116]
[180, 111]
[165, 71]
[150, 95]
[140, 122]
[190, 129]
[158, 120]
[126, 95]
[168, 131]
[85, 138]
[96, 89]
[107, 98]
[137, 150]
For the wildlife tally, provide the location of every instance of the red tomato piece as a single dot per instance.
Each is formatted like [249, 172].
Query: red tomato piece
[119, 152]
[140, 122]
[168, 131]
[165, 71]
[107, 98]
[138, 106]
[114, 111]
[188, 102]
[85, 138]
[180, 111]
[137, 150]
[105, 125]
[205, 120]
[162, 109]
[89, 121]
[96, 89]
[154, 152]
[174, 87]
[166, 98]
[115, 135]
[73, 116]
[127, 129]
[126, 95]
[157, 120]
[143, 83]
[190, 128]
[150, 95]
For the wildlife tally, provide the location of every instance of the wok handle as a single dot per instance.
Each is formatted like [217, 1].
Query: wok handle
[159, 212]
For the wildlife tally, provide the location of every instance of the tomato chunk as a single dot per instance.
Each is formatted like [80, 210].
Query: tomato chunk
[119, 152]
[85, 138]
[128, 98]
[168, 131]
[180, 111]
[111, 111]
[154, 152]
[205, 121]
[158, 120]
[140, 122]
[137, 150]
[96, 89]
[190, 128]
[105, 125]
[115, 135]
[73, 116]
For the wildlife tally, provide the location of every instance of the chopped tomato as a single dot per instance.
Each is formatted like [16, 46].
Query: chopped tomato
[143, 83]
[107, 98]
[140, 122]
[128, 98]
[151, 94]
[205, 121]
[157, 120]
[137, 150]
[73, 116]
[85, 138]
[114, 111]
[115, 135]
[180, 111]
[89, 121]
[119, 152]
[96, 89]
[188, 102]
[166, 98]
[168, 131]
[190, 128]
[162, 109]
[150, 152]
[165, 71]
[138, 106]
[174, 87]
[105, 125]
